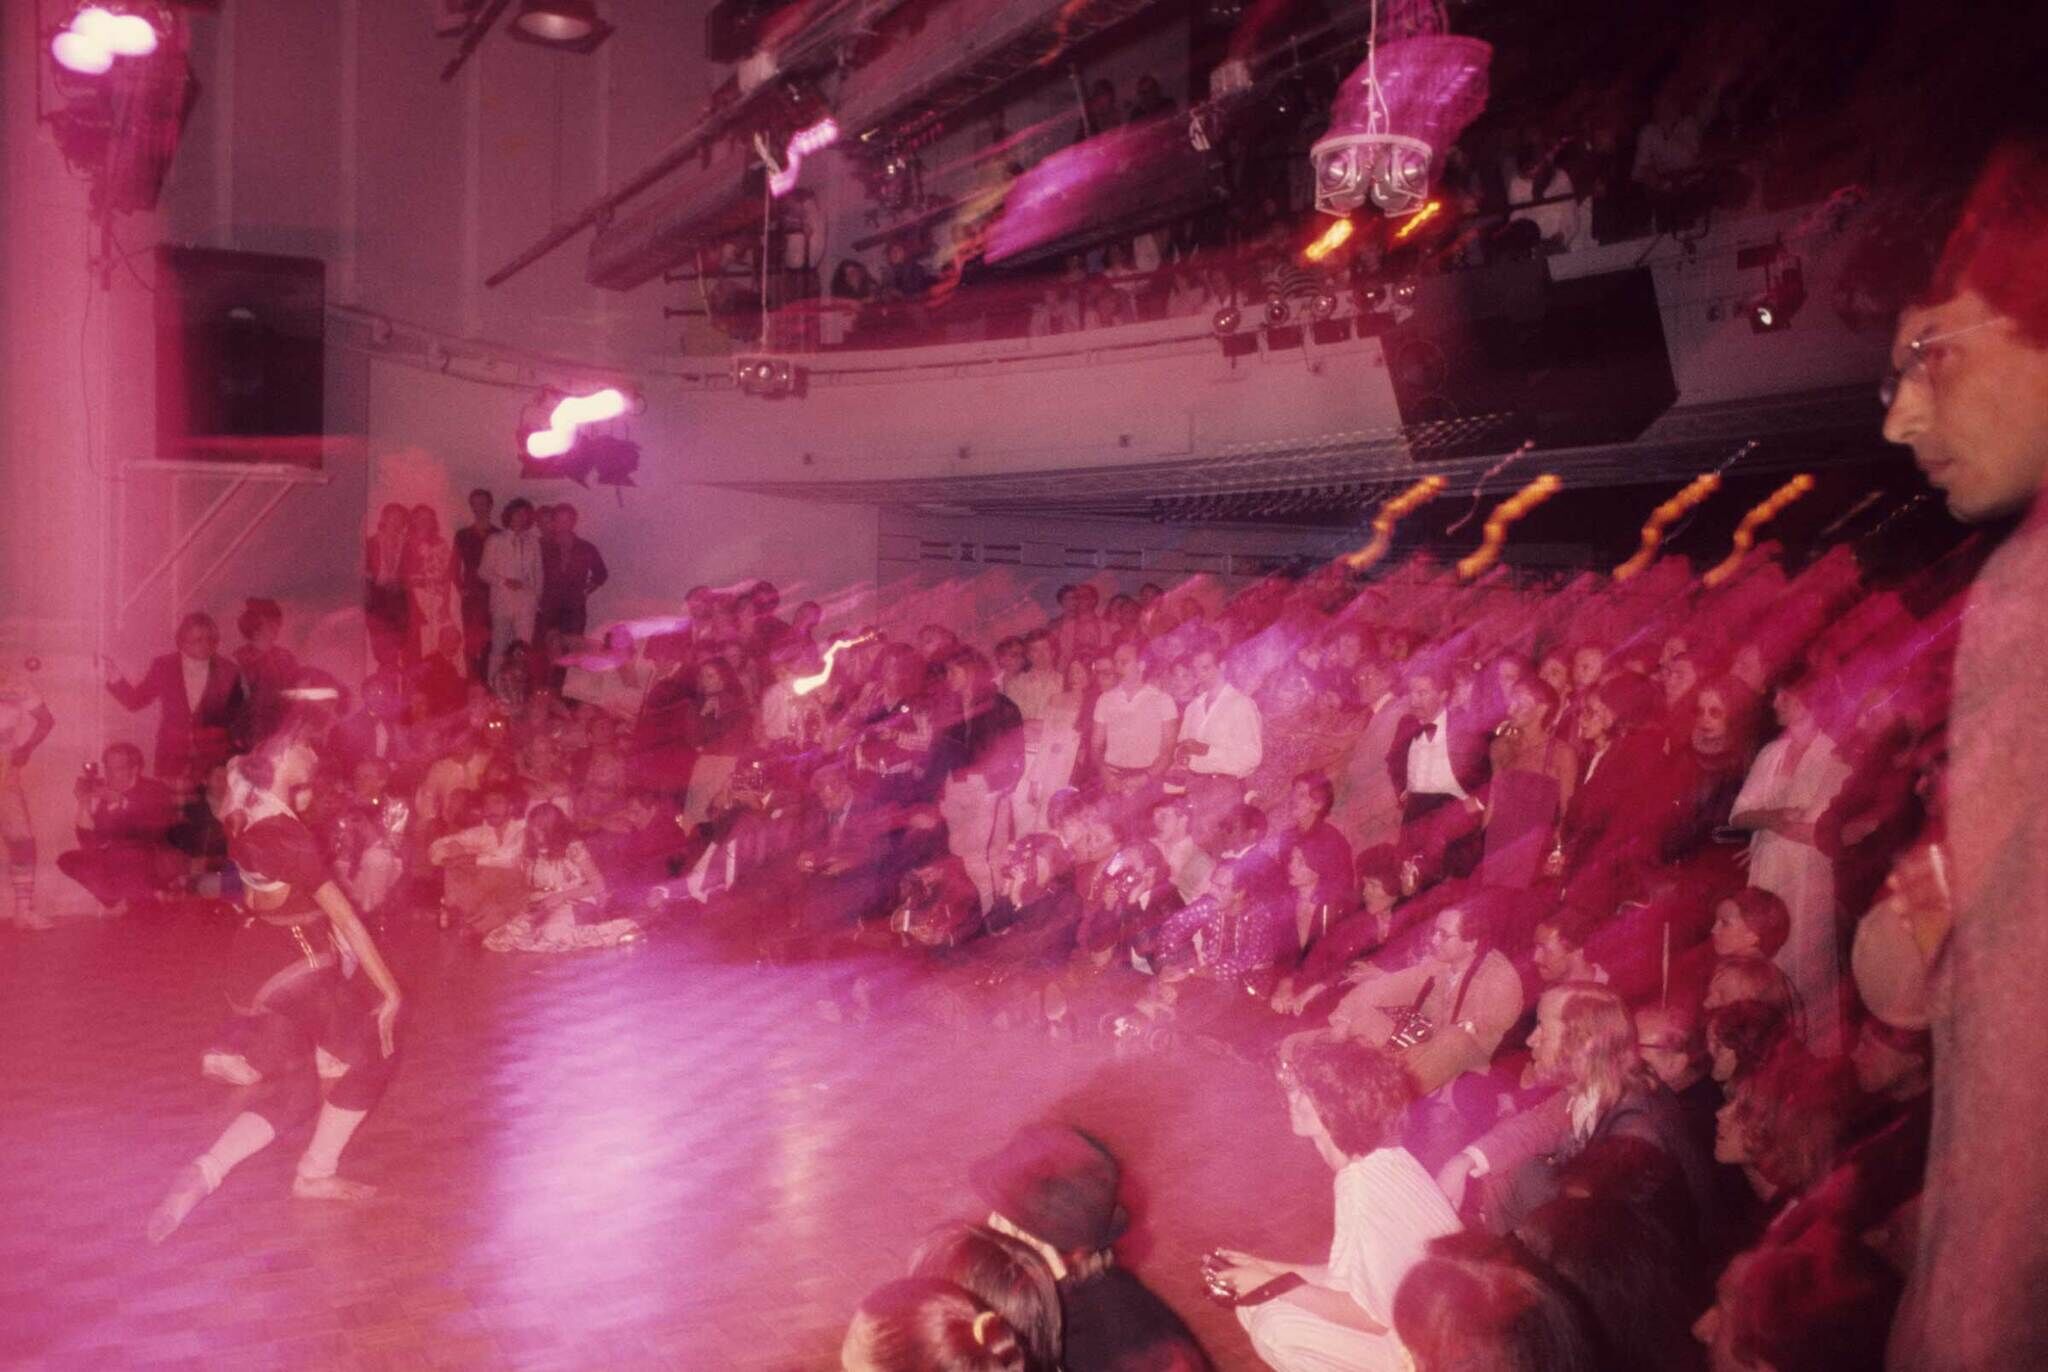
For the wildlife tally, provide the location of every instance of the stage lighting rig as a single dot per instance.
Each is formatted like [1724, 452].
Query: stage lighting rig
[1784, 294]
[124, 89]
[574, 437]
[770, 377]
[564, 25]
[1403, 106]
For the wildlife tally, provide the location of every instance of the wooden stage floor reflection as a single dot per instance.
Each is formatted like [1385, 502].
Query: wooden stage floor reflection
[642, 1157]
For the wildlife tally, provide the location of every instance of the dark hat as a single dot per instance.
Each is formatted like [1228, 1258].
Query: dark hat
[1056, 1184]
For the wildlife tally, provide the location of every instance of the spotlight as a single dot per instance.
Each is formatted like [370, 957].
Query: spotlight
[806, 141]
[97, 35]
[1227, 319]
[1405, 101]
[772, 377]
[1325, 303]
[1276, 311]
[569, 414]
[565, 25]
[1404, 292]
[1783, 296]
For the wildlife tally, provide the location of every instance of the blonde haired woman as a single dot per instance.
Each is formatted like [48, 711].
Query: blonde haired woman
[1584, 1044]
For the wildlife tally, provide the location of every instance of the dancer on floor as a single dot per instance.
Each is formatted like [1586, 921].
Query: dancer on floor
[326, 1018]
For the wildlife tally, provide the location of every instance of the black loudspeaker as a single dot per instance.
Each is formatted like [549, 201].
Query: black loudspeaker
[1491, 359]
[241, 353]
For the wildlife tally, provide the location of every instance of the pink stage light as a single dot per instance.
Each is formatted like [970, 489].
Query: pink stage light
[124, 35]
[802, 144]
[95, 36]
[76, 52]
[571, 413]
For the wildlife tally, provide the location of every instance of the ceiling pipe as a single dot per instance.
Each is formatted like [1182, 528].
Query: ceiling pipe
[473, 36]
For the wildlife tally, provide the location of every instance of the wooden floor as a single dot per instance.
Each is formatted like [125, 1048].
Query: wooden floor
[640, 1157]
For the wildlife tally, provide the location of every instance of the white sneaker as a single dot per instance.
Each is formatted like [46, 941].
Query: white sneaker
[232, 1068]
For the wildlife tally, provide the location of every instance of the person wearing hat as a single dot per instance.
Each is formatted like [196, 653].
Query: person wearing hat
[1054, 1188]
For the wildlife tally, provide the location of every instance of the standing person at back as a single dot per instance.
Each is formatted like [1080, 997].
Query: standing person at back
[476, 592]
[1969, 394]
[571, 569]
[512, 568]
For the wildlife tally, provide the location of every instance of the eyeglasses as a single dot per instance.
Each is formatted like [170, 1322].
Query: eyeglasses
[1917, 354]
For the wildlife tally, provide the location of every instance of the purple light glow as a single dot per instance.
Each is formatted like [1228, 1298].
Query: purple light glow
[96, 36]
[802, 144]
[571, 414]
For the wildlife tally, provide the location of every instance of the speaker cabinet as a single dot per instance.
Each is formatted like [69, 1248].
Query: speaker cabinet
[1489, 359]
[241, 351]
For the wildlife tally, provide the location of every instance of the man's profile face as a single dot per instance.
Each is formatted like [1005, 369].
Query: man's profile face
[1974, 408]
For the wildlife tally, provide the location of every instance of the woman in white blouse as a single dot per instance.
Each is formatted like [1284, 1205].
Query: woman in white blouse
[1791, 784]
[1347, 1099]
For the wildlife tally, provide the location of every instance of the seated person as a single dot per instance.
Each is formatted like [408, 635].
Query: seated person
[1477, 1301]
[936, 904]
[123, 821]
[1360, 934]
[485, 866]
[1136, 895]
[1032, 919]
[1584, 1045]
[1055, 1189]
[565, 895]
[1449, 1010]
[1187, 861]
[1347, 1100]
[1558, 948]
[1826, 1302]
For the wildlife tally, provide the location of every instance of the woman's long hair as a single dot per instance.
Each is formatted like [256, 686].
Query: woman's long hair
[1596, 1040]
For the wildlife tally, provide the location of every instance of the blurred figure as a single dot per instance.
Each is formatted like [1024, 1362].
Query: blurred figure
[123, 824]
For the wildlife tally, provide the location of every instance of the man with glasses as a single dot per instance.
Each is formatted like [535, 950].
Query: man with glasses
[1969, 395]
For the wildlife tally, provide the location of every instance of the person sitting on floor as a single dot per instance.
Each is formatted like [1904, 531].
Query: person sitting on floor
[1347, 1100]
[123, 822]
[1055, 1188]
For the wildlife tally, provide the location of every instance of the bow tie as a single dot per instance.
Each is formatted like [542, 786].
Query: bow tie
[1429, 730]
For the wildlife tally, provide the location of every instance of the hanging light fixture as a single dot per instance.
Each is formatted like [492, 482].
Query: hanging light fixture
[565, 25]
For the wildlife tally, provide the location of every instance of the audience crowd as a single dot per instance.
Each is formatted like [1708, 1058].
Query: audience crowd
[1540, 901]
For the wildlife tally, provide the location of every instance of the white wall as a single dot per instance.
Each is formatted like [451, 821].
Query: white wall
[323, 128]
[434, 438]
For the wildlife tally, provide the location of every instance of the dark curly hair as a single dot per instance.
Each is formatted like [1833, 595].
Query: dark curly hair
[1358, 1092]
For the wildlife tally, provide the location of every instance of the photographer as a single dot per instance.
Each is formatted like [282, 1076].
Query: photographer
[124, 856]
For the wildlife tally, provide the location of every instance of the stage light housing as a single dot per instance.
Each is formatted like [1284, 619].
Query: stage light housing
[98, 34]
[1775, 309]
[564, 25]
[770, 377]
[1276, 312]
[1408, 99]
[1226, 321]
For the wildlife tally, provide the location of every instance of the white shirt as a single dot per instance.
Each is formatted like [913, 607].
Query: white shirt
[1429, 762]
[1228, 721]
[1188, 866]
[1131, 722]
[196, 670]
[512, 557]
[489, 847]
[1388, 1209]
